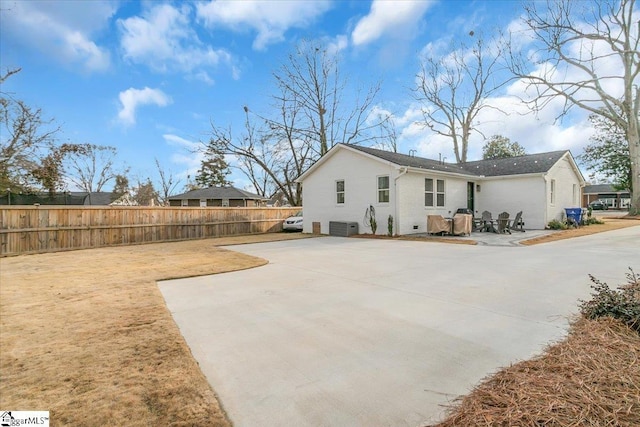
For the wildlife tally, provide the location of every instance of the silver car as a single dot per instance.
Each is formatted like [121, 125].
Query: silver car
[293, 223]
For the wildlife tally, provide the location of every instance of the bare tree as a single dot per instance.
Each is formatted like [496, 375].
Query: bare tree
[168, 184]
[50, 173]
[93, 168]
[308, 118]
[388, 133]
[310, 82]
[454, 90]
[587, 56]
[26, 139]
[270, 163]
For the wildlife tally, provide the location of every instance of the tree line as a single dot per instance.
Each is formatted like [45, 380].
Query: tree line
[566, 44]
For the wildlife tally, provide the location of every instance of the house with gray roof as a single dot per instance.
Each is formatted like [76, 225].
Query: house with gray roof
[350, 178]
[218, 197]
[608, 194]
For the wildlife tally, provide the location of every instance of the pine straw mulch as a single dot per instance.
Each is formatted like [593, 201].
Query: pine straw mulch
[592, 378]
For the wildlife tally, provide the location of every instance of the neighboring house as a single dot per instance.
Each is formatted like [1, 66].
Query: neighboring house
[345, 181]
[614, 199]
[218, 196]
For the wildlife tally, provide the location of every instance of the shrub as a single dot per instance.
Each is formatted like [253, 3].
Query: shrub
[390, 225]
[592, 220]
[556, 225]
[622, 304]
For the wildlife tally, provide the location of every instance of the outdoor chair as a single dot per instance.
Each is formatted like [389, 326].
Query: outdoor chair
[487, 222]
[503, 223]
[517, 224]
[437, 224]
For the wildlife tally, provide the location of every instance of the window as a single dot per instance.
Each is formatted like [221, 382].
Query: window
[440, 192]
[340, 192]
[383, 189]
[553, 191]
[434, 194]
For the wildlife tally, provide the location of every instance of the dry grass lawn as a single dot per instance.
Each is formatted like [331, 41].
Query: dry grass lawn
[86, 334]
[609, 225]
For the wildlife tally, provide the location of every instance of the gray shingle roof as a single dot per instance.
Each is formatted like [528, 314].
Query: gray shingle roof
[601, 188]
[411, 161]
[217, 193]
[530, 163]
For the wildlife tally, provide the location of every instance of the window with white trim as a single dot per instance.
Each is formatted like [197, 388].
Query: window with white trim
[552, 191]
[340, 192]
[434, 193]
[383, 189]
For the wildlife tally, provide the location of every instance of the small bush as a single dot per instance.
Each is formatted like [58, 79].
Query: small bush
[622, 304]
[592, 220]
[556, 225]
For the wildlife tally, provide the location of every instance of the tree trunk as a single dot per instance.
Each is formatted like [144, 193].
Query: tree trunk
[634, 152]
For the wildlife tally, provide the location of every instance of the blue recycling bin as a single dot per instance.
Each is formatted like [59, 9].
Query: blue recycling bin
[574, 215]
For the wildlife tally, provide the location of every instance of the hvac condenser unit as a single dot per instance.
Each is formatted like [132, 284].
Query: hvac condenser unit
[343, 228]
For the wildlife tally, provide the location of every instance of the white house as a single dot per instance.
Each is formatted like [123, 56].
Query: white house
[349, 178]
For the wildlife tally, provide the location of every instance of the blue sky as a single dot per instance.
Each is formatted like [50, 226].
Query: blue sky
[147, 77]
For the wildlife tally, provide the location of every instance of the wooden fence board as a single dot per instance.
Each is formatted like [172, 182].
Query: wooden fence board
[35, 229]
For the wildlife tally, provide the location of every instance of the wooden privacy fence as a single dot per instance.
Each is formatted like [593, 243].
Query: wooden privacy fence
[34, 229]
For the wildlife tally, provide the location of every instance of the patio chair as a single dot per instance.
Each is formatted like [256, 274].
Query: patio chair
[487, 222]
[437, 224]
[503, 223]
[517, 224]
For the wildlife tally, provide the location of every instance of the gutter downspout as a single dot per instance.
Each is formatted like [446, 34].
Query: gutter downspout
[547, 191]
[396, 223]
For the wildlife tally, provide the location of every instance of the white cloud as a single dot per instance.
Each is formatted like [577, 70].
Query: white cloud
[337, 44]
[163, 39]
[132, 98]
[389, 18]
[61, 31]
[270, 20]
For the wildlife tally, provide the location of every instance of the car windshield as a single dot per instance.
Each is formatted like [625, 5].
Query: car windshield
[298, 213]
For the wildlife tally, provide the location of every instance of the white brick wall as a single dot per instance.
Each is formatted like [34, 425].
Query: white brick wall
[360, 176]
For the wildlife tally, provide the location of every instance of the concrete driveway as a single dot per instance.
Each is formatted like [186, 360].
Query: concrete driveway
[357, 332]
